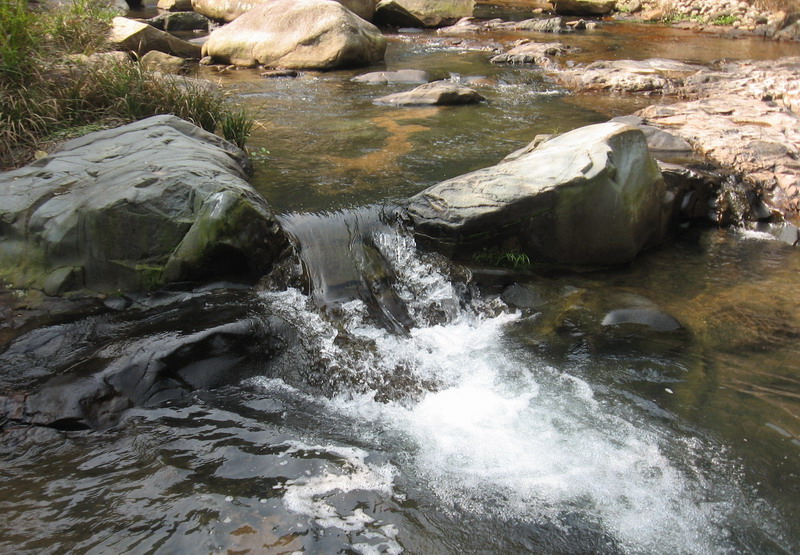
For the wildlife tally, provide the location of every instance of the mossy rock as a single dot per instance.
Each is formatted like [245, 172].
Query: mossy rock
[134, 208]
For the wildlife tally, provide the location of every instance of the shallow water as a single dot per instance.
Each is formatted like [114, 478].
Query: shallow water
[415, 412]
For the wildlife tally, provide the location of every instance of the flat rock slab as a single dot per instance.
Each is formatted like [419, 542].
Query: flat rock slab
[132, 208]
[135, 36]
[297, 34]
[438, 93]
[654, 75]
[469, 25]
[408, 76]
[539, 53]
[759, 140]
[593, 196]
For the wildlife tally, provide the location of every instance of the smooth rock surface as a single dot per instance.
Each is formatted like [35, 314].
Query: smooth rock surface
[409, 76]
[141, 38]
[438, 93]
[584, 7]
[297, 34]
[228, 10]
[423, 13]
[593, 196]
[180, 21]
[133, 208]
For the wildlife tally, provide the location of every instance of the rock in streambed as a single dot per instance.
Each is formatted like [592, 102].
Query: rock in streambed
[133, 208]
[297, 34]
[593, 196]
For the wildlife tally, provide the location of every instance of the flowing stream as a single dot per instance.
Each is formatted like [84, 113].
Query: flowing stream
[424, 407]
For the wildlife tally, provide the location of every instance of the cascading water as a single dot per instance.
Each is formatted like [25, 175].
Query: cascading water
[496, 436]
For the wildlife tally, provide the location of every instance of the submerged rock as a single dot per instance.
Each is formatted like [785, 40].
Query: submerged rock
[138, 37]
[422, 13]
[413, 76]
[85, 373]
[297, 34]
[593, 196]
[133, 208]
[438, 93]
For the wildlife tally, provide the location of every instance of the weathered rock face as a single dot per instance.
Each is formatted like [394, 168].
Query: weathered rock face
[179, 21]
[584, 7]
[228, 10]
[422, 13]
[438, 93]
[758, 140]
[654, 75]
[593, 196]
[127, 34]
[539, 53]
[163, 63]
[297, 34]
[133, 208]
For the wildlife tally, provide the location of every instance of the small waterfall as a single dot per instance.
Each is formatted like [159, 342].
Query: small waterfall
[436, 386]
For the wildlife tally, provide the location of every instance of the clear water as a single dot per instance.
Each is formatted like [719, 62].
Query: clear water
[452, 422]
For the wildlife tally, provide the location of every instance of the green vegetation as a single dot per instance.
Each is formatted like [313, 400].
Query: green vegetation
[507, 259]
[724, 20]
[49, 90]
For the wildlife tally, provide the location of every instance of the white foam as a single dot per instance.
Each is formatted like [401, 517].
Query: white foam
[505, 436]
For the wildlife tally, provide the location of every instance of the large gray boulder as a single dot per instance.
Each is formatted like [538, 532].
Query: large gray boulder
[297, 34]
[593, 196]
[133, 208]
[422, 13]
[228, 10]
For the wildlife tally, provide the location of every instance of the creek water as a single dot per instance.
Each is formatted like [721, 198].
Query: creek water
[423, 407]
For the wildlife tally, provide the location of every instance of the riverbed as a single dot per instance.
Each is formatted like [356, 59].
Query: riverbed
[504, 412]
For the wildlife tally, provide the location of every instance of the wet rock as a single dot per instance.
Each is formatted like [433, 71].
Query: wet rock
[633, 76]
[86, 373]
[584, 7]
[422, 13]
[593, 196]
[297, 34]
[180, 21]
[278, 73]
[438, 93]
[540, 53]
[127, 34]
[410, 76]
[641, 316]
[133, 208]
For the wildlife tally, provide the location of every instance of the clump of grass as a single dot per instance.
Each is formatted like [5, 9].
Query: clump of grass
[43, 97]
[507, 259]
